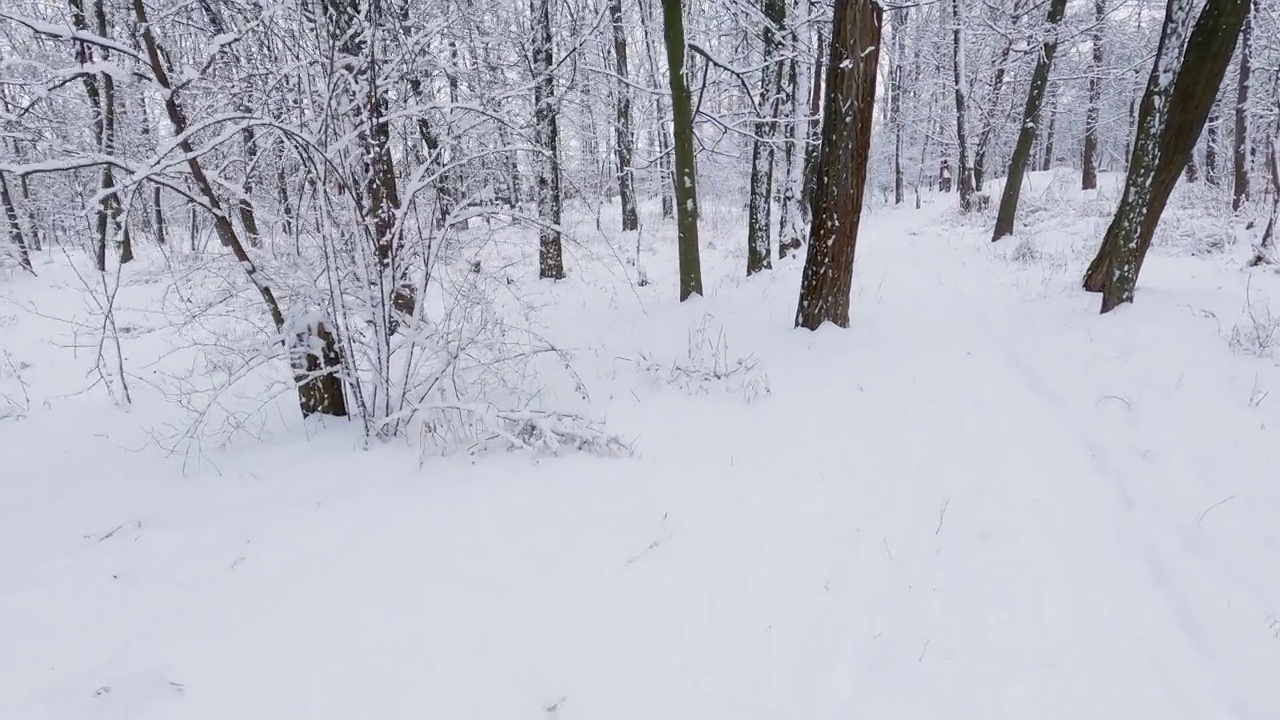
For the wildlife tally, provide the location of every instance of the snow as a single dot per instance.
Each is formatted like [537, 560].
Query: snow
[983, 500]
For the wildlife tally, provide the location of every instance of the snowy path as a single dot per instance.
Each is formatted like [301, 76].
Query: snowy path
[981, 501]
[1047, 588]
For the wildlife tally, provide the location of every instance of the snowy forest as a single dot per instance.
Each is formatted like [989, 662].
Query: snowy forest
[390, 358]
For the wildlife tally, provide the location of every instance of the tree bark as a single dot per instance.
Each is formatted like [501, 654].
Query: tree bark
[1089, 164]
[1046, 163]
[686, 176]
[790, 213]
[1266, 247]
[1030, 117]
[1240, 143]
[1180, 92]
[896, 88]
[760, 204]
[1211, 145]
[963, 171]
[550, 251]
[624, 142]
[15, 227]
[842, 169]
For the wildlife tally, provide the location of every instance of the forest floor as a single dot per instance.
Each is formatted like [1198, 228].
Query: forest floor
[982, 500]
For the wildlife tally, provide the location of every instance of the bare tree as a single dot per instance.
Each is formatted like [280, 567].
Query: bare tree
[759, 243]
[1089, 164]
[842, 169]
[1030, 118]
[624, 143]
[963, 170]
[1240, 142]
[686, 176]
[550, 251]
[1184, 81]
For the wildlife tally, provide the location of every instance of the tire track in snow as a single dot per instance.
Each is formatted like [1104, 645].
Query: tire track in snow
[1113, 465]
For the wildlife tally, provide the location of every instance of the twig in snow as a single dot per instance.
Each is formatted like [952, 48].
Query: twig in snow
[886, 548]
[556, 705]
[942, 515]
[1211, 507]
[116, 529]
[925, 650]
[1117, 397]
[652, 546]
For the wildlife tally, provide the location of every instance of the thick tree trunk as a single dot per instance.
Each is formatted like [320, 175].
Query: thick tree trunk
[1240, 143]
[1089, 164]
[686, 176]
[1030, 117]
[1179, 95]
[963, 171]
[760, 204]
[842, 169]
[624, 141]
[550, 251]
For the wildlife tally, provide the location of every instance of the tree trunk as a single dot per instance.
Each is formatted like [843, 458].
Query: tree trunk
[790, 213]
[624, 142]
[550, 251]
[1089, 165]
[759, 213]
[84, 56]
[119, 227]
[1030, 117]
[813, 134]
[842, 169]
[156, 210]
[686, 177]
[964, 176]
[1240, 154]
[309, 385]
[282, 190]
[249, 218]
[1047, 163]
[15, 228]
[993, 104]
[666, 176]
[1211, 145]
[1266, 247]
[1179, 95]
[896, 88]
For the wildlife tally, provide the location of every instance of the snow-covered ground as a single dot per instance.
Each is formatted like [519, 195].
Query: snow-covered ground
[983, 500]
